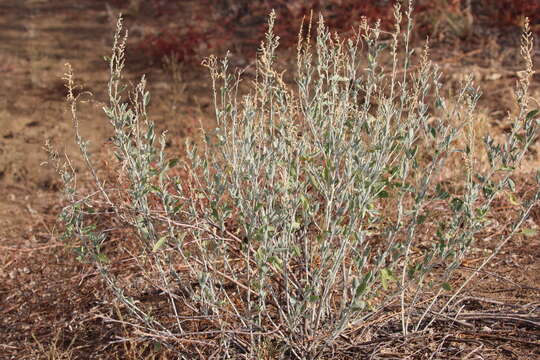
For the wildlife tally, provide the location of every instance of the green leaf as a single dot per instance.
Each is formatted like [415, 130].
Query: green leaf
[456, 204]
[433, 131]
[532, 114]
[441, 194]
[413, 269]
[359, 305]
[276, 261]
[487, 190]
[511, 184]
[180, 238]
[446, 286]
[529, 232]
[507, 168]
[146, 99]
[159, 243]
[150, 132]
[386, 277]
[512, 199]
[326, 174]
[305, 202]
[361, 288]
[172, 163]
[481, 212]
[102, 258]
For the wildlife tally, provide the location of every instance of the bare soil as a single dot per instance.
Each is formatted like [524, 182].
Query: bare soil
[51, 304]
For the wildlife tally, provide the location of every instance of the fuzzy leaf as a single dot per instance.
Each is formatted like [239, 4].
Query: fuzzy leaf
[386, 277]
[529, 232]
[532, 114]
[446, 286]
[159, 243]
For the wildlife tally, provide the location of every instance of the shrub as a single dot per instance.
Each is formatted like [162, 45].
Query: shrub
[310, 210]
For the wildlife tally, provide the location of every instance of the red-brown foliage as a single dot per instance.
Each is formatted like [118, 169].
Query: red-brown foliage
[511, 12]
[343, 16]
[183, 45]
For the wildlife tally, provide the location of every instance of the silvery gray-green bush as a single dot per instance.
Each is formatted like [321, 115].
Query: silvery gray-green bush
[313, 208]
